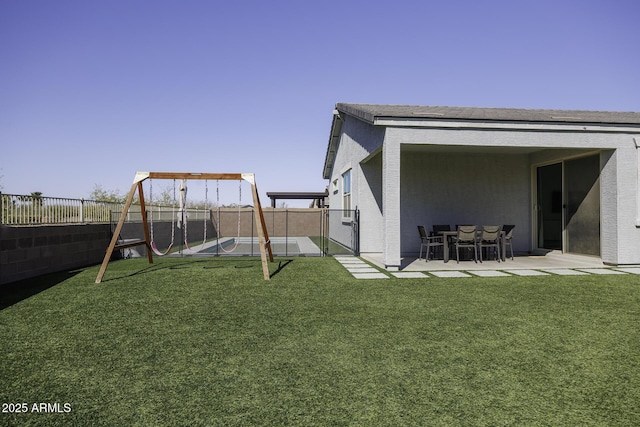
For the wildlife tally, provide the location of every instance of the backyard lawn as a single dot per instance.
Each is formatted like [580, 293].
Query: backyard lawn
[198, 342]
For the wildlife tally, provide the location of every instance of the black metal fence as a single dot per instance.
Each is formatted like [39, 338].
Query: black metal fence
[232, 232]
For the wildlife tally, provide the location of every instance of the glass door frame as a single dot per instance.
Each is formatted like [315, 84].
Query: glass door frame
[535, 207]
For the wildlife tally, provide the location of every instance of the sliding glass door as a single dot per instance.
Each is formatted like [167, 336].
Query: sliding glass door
[582, 216]
[568, 206]
[549, 183]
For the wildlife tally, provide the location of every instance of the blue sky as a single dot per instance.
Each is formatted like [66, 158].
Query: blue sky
[93, 91]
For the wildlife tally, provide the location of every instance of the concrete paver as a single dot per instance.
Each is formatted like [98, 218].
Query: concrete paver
[565, 271]
[370, 276]
[632, 270]
[409, 275]
[601, 271]
[449, 274]
[488, 273]
[527, 272]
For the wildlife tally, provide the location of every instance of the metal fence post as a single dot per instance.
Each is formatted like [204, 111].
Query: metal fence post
[356, 233]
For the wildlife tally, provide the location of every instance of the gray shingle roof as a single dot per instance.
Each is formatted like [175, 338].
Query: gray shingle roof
[371, 112]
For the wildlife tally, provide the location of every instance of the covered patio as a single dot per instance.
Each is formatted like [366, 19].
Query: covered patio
[551, 195]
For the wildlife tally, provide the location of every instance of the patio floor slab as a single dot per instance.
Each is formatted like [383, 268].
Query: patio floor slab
[552, 260]
[536, 265]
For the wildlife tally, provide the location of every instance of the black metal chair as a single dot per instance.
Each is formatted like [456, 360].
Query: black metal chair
[440, 228]
[437, 230]
[429, 242]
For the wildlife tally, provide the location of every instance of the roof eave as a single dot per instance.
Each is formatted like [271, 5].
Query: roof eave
[332, 148]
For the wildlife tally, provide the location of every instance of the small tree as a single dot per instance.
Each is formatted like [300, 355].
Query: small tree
[102, 195]
[167, 196]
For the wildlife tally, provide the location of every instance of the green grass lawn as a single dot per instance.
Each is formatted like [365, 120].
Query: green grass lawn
[209, 342]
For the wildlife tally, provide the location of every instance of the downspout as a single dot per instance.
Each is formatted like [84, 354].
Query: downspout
[636, 141]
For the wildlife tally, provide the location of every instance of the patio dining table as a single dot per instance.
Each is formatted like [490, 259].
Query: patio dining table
[453, 233]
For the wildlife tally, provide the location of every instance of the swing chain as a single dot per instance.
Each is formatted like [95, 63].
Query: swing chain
[158, 208]
[237, 240]
[151, 205]
[206, 205]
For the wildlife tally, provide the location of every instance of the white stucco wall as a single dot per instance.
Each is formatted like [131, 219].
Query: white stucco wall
[370, 204]
[358, 142]
[625, 187]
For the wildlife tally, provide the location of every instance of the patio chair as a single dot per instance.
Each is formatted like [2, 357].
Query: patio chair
[437, 231]
[490, 238]
[466, 238]
[429, 242]
[508, 237]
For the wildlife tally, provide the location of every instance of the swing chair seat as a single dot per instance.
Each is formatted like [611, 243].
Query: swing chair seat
[158, 252]
[131, 244]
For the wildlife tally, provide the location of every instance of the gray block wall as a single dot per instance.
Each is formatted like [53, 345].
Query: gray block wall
[27, 252]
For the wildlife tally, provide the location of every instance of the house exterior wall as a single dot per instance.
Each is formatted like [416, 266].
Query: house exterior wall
[622, 182]
[358, 142]
[370, 205]
[609, 223]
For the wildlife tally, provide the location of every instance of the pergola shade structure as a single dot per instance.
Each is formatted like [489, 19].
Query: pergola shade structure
[319, 198]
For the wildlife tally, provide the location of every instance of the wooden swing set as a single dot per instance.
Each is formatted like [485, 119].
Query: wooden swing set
[263, 237]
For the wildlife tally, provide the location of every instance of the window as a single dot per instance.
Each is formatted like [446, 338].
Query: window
[346, 194]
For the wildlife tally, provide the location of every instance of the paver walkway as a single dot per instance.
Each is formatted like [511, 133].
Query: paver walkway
[363, 270]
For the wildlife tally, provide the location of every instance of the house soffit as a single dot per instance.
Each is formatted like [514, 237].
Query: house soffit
[471, 149]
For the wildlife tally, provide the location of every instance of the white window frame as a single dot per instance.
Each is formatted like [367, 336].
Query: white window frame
[347, 191]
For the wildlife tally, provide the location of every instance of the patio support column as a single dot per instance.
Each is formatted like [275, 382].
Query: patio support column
[391, 203]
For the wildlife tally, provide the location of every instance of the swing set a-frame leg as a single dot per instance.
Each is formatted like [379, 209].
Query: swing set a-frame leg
[116, 234]
[263, 236]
